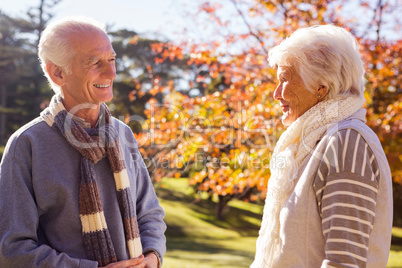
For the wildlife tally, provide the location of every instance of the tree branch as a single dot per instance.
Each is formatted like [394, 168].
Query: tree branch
[248, 26]
[380, 7]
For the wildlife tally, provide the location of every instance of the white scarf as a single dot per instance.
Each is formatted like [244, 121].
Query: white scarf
[292, 147]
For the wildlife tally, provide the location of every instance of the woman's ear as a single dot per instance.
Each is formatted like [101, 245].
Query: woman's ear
[322, 92]
[55, 73]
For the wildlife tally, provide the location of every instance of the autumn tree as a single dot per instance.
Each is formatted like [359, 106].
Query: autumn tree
[142, 76]
[382, 54]
[223, 139]
[23, 88]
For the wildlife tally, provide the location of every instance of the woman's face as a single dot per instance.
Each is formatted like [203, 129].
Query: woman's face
[295, 99]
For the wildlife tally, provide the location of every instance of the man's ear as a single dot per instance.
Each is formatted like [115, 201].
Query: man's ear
[55, 73]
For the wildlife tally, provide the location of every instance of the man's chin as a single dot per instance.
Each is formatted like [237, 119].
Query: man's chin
[107, 98]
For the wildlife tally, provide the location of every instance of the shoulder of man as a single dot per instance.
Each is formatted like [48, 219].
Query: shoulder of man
[27, 133]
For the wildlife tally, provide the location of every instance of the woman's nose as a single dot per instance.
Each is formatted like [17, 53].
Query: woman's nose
[278, 92]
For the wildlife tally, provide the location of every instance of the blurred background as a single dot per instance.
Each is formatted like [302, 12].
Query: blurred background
[194, 85]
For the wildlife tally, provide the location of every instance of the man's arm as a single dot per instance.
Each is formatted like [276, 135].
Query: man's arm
[149, 213]
[19, 221]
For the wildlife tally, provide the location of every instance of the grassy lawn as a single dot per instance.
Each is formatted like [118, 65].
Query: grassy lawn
[395, 256]
[196, 239]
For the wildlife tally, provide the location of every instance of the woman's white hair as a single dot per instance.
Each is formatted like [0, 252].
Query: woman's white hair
[55, 43]
[324, 55]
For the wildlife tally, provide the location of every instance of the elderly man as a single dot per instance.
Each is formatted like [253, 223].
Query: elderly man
[74, 190]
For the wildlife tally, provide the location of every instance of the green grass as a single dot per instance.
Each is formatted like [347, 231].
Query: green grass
[196, 239]
[395, 255]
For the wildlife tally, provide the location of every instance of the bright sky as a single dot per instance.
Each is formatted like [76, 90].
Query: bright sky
[142, 16]
[161, 19]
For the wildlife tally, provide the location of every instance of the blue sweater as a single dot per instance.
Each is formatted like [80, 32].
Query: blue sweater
[39, 186]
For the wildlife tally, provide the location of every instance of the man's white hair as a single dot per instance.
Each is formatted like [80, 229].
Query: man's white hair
[323, 55]
[55, 43]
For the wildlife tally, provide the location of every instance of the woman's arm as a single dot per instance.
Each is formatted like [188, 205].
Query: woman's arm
[346, 189]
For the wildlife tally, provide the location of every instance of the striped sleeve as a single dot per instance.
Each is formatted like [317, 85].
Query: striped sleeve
[346, 187]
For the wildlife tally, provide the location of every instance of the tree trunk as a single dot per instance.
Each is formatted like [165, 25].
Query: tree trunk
[221, 207]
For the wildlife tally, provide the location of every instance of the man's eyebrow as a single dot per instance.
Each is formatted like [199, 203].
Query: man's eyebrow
[95, 58]
[91, 59]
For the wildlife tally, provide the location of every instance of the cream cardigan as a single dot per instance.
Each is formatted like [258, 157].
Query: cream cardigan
[308, 241]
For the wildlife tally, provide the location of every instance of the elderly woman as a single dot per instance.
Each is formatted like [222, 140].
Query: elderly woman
[329, 201]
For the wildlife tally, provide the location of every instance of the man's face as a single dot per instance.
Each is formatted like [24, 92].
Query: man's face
[295, 99]
[92, 70]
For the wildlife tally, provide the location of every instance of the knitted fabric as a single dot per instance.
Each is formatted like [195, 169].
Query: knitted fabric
[94, 147]
[291, 149]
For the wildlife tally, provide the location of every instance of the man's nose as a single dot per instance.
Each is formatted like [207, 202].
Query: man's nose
[109, 70]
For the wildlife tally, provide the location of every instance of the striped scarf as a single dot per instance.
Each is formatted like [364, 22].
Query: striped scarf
[94, 147]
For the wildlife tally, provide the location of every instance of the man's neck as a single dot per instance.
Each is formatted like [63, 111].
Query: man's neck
[89, 114]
